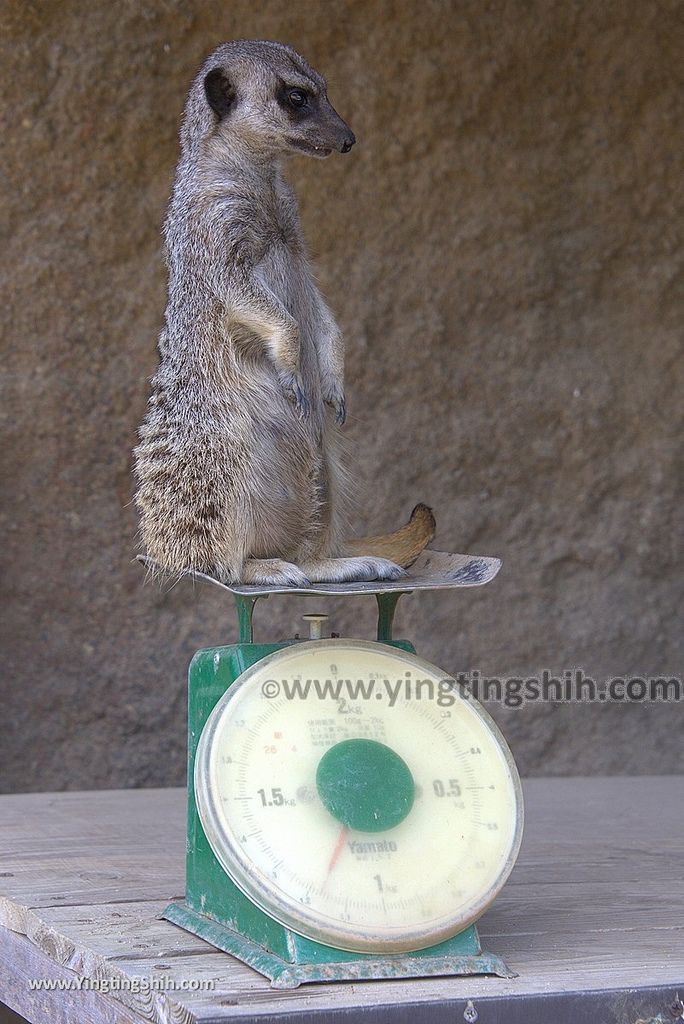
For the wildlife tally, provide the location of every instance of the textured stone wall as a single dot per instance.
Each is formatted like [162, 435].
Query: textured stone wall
[504, 251]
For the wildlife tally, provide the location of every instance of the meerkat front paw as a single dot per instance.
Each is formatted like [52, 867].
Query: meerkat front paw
[376, 568]
[356, 568]
[273, 572]
[334, 397]
[293, 389]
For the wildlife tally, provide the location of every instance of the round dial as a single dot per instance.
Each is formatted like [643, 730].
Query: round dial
[358, 796]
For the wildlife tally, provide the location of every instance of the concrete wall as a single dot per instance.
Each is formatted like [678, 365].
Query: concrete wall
[504, 251]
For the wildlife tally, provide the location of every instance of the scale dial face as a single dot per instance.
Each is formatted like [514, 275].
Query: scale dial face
[380, 813]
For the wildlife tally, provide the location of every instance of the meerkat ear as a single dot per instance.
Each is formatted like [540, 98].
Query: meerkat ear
[219, 92]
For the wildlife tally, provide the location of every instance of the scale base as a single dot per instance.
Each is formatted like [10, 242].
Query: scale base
[451, 960]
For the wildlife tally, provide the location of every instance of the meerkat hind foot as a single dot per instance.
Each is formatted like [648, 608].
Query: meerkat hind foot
[352, 570]
[273, 572]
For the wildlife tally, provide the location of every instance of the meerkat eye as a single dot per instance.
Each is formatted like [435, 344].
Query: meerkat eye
[297, 98]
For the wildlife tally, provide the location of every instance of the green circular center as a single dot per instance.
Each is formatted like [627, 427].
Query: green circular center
[365, 785]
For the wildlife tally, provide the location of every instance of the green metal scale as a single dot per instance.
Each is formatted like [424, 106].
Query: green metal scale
[352, 811]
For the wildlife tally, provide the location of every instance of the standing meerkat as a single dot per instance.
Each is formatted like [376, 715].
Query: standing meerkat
[239, 465]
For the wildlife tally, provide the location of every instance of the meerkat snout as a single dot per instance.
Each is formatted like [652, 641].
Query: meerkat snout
[265, 97]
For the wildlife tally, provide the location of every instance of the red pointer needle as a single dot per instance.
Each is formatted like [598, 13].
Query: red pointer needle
[339, 846]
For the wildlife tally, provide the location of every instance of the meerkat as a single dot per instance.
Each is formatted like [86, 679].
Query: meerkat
[239, 463]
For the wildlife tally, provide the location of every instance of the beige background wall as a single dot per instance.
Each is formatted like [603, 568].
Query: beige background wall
[504, 251]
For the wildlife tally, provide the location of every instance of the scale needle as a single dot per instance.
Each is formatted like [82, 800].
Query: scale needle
[339, 846]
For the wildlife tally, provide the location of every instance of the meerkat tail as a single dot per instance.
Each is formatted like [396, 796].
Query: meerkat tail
[404, 545]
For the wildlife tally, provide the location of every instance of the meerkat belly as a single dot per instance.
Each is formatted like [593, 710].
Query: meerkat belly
[283, 482]
[255, 461]
[275, 476]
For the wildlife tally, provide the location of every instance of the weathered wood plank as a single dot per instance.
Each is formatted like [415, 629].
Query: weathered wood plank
[134, 929]
[97, 946]
[92, 847]
[20, 961]
[596, 904]
[98, 847]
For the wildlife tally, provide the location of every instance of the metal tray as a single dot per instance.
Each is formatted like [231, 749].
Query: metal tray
[432, 570]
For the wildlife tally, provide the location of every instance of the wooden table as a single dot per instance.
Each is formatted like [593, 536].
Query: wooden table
[592, 918]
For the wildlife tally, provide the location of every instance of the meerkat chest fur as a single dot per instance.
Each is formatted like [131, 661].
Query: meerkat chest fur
[230, 257]
[281, 262]
[285, 271]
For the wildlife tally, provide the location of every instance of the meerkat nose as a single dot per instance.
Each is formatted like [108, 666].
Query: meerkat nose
[348, 142]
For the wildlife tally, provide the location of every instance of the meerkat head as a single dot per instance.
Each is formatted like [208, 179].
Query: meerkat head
[262, 96]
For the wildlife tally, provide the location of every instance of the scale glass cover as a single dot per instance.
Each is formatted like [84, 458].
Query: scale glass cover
[383, 815]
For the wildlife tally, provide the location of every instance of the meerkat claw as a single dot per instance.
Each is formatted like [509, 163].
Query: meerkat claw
[336, 400]
[294, 391]
[341, 412]
[302, 405]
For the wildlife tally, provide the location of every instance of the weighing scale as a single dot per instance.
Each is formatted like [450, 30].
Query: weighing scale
[352, 810]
